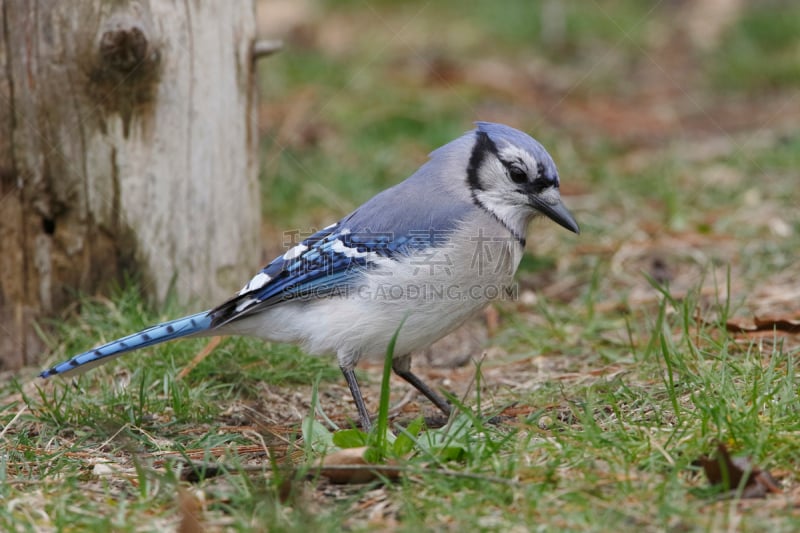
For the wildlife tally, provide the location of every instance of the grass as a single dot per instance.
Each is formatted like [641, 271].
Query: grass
[766, 29]
[603, 384]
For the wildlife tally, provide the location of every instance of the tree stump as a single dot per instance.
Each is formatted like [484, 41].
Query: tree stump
[127, 143]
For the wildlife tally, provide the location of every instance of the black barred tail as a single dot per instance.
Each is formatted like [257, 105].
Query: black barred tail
[167, 331]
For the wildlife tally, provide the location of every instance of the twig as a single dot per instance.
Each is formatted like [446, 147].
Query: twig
[405, 400]
[471, 383]
[12, 421]
[202, 354]
[114, 436]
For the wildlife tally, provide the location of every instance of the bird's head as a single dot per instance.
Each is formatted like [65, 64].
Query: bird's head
[513, 177]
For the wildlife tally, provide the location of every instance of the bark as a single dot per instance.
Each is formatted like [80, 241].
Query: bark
[127, 143]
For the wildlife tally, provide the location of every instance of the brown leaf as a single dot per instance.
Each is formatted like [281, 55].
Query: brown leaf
[189, 509]
[349, 466]
[789, 323]
[740, 325]
[492, 316]
[729, 472]
[781, 323]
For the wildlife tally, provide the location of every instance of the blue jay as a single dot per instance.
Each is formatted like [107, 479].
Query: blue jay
[432, 250]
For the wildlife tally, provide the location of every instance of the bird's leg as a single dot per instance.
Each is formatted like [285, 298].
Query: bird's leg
[402, 367]
[363, 414]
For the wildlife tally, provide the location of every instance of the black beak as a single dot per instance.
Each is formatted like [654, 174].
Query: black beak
[557, 213]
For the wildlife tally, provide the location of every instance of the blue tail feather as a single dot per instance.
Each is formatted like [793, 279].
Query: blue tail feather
[174, 329]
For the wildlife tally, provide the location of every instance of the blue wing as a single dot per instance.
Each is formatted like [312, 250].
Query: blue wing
[328, 262]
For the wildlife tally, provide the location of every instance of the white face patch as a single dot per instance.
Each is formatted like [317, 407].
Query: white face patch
[258, 281]
[492, 176]
[294, 252]
[514, 153]
[500, 196]
[550, 196]
[515, 216]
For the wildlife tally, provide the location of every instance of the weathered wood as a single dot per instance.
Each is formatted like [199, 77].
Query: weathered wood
[127, 143]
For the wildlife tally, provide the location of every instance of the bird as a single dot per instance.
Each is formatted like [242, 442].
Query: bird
[427, 253]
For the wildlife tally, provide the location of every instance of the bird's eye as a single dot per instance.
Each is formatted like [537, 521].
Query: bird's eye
[517, 175]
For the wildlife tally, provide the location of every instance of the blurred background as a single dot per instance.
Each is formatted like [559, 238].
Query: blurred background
[673, 123]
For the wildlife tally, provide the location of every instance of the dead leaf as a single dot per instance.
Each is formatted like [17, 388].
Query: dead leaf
[739, 325]
[492, 316]
[789, 323]
[780, 323]
[189, 508]
[349, 466]
[729, 471]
